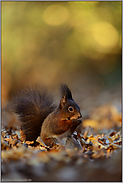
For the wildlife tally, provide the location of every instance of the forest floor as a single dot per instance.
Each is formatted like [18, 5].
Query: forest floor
[99, 159]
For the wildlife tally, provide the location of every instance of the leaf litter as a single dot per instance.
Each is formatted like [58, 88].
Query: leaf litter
[95, 146]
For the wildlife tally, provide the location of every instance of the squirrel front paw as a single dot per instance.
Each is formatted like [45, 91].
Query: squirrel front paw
[50, 142]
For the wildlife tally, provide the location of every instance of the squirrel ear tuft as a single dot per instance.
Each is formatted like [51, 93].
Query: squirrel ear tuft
[66, 95]
[65, 92]
[63, 102]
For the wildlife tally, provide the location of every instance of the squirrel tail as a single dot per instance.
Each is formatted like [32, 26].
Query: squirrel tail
[32, 106]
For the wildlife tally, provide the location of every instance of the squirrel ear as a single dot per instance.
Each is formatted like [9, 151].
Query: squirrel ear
[65, 91]
[63, 102]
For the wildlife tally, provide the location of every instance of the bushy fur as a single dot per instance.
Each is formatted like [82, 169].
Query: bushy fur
[33, 105]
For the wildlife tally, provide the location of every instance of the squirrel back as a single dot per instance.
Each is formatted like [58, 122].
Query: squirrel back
[32, 106]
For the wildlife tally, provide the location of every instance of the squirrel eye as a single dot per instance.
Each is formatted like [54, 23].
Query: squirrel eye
[70, 109]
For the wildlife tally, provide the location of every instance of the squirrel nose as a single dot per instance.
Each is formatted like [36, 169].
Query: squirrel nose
[79, 115]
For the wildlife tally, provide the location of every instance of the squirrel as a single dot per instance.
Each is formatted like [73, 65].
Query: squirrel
[39, 116]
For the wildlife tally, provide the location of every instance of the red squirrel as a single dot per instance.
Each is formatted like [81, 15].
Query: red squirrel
[39, 116]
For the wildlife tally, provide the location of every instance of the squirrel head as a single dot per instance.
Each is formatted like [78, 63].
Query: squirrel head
[69, 108]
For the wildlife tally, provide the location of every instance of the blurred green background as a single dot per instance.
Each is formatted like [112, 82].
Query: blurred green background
[48, 43]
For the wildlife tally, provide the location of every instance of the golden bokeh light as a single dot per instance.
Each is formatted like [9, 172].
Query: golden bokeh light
[47, 43]
[105, 35]
[55, 15]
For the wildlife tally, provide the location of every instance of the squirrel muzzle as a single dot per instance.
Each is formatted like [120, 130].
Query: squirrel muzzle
[76, 115]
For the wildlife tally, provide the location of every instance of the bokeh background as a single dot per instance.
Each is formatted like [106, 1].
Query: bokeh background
[49, 43]
[78, 43]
